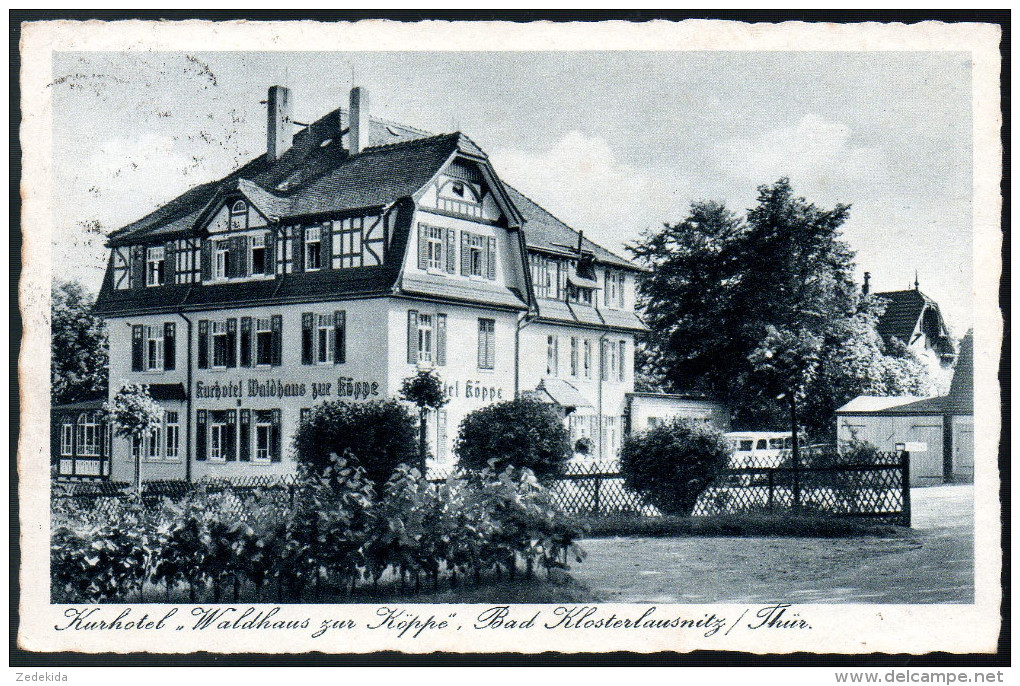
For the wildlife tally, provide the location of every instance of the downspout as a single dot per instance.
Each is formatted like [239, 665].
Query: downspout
[602, 375]
[187, 401]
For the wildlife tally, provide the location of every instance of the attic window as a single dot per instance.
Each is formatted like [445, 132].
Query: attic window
[393, 131]
[458, 188]
[326, 142]
[238, 207]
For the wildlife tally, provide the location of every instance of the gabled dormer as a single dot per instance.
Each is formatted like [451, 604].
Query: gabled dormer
[466, 240]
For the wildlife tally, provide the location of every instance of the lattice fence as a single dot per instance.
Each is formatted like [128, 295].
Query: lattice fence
[596, 489]
[236, 495]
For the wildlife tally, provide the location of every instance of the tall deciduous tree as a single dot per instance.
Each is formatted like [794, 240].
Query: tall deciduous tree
[753, 308]
[78, 345]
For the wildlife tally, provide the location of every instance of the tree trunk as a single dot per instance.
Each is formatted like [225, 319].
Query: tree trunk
[795, 454]
[422, 440]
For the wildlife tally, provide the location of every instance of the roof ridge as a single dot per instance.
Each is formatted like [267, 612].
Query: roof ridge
[405, 143]
[385, 122]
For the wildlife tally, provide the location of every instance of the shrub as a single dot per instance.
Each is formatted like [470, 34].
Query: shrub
[377, 436]
[522, 433]
[672, 463]
[584, 446]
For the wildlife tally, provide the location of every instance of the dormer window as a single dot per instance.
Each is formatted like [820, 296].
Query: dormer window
[238, 214]
[222, 260]
[460, 197]
[154, 266]
[313, 248]
[258, 254]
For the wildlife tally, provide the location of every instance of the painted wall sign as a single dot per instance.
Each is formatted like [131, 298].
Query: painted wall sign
[474, 389]
[345, 387]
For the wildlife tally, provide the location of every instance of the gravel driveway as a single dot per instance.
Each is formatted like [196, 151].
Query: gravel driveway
[932, 564]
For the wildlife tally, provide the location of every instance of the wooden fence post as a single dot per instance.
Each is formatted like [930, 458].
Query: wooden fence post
[598, 489]
[905, 476]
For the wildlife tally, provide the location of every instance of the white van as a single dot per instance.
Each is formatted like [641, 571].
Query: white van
[758, 448]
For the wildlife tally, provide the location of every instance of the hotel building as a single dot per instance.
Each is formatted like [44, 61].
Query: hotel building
[352, 253]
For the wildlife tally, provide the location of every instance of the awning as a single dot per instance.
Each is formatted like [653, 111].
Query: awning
[561, 393]
[167, 391]
[582, 282]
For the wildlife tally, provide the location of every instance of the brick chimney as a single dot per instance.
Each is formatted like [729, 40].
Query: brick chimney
[358, 113]
[279, 130]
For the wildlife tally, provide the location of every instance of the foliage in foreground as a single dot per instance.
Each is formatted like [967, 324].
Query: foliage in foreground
[339, 534]
[671, 463]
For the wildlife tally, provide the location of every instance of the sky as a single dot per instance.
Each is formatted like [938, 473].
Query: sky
[613, 143]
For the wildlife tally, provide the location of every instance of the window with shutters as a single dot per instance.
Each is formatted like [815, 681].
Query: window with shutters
[263, 342]
[219, 345]
[258, 253]
[621, 367]
[263, 436]
[476, 255]
[425, 338]
[154, 274]
[313, 248]
[435, 260]
[324, 339]
[173, 436]
[219, 437]
[573, 356]
[552, 356]
[154, 348]
[587, 359]
[66, 437]
[221, 266]
[486, 344]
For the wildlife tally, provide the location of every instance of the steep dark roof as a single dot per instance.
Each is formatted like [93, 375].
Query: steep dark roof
[960, 399]
[543, 231]
[315, 175]
[902, 313]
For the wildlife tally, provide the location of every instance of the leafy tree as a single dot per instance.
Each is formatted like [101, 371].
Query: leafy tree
[425, 390]
[134, 415]
[671, 463]
[78, 345]
[376, 436]
[762, 312]
[523, 432]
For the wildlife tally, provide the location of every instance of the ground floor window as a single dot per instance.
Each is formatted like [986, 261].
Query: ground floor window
[66, 437]
[88, 434]
[173, 435]
[263, 436]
